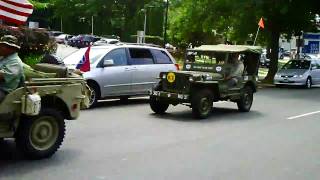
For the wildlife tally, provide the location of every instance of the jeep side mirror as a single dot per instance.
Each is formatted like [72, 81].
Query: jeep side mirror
[108, 62]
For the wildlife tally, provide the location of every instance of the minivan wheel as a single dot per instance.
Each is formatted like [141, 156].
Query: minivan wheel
[201, 104]
[158, 106]
[308, 84]
[95, 95]
[245, 102]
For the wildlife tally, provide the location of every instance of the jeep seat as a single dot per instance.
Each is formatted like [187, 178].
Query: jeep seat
[61, 71]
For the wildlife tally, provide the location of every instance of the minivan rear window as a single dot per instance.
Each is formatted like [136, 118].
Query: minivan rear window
[161, 57]
[140, 56]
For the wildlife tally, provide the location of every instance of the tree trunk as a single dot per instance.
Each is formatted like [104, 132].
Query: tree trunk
[273, 68]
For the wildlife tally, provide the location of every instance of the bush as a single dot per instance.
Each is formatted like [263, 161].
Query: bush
[32, 59]
[34, 42]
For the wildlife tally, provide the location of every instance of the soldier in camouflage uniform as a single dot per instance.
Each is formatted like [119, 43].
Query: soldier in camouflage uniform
[11, 67]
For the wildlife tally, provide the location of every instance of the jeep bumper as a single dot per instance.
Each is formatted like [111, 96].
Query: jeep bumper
[169, 96]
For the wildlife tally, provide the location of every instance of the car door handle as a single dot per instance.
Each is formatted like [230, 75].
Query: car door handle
[134, 69]
[126, 69]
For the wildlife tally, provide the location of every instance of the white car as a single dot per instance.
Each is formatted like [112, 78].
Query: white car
[123, 70]
[105, 41]
[63, 38]
[302, 72]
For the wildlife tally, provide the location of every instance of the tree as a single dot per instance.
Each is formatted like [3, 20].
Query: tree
[193, 21]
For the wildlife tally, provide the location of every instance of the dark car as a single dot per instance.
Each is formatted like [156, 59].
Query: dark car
[82, 41]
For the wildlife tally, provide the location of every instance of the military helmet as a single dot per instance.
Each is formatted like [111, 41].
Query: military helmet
[10, 40]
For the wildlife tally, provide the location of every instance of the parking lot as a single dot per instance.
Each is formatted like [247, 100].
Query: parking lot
[278, 139]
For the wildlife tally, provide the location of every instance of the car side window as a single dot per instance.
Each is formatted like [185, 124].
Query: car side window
[161, 57]
[140, 56]
[318, 64]
[313, 64]
[118, 56]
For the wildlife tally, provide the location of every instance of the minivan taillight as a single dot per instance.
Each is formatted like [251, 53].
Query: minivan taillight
[177, 66]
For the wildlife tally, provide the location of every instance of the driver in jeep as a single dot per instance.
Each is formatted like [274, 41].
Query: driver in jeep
[236, 71]
[11, 67]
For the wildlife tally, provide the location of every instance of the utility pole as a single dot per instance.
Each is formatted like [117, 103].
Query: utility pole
[166, 24]
[61, 24]
[145, 25]
[91, 25]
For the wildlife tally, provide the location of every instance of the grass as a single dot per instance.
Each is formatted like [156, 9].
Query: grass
[264, 71]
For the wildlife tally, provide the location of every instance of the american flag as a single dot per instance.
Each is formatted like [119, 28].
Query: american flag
[15, 11]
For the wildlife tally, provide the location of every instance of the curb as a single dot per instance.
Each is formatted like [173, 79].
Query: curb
[265, 85]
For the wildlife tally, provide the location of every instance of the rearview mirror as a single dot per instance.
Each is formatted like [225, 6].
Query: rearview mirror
[108, 62]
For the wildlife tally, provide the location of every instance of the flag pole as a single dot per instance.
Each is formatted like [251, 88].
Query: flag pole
[255, 39]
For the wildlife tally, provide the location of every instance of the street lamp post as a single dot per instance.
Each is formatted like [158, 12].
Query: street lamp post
[166, 23]
[144, 25]
[91, 25]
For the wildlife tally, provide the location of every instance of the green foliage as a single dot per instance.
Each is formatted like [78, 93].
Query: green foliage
[199, 22]
[38, 4]
[32, 59]
[34, 43]
[122, 17]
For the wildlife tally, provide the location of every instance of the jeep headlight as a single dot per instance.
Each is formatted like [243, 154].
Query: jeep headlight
[208, 78]
[191, 79]
[164, 76]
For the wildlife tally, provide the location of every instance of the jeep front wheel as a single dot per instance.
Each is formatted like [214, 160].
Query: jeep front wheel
[246, 99]
[41, 136]
[157, 106]
[201, 104]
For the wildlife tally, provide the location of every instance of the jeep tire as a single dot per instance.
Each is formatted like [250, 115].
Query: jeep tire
[201, 103]
[40, 136]
[158, 106]
[246, 99]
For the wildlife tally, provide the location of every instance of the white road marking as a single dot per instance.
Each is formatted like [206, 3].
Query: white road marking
[303, 115]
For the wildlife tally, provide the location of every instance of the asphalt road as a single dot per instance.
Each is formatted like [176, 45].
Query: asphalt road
[128, 142]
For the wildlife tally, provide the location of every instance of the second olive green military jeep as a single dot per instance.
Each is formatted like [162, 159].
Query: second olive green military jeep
[203, 80]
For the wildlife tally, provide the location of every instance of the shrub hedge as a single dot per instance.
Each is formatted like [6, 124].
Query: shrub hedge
[34, 42]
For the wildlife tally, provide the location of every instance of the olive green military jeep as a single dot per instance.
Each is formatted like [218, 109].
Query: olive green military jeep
[34, 113]
[203, 80]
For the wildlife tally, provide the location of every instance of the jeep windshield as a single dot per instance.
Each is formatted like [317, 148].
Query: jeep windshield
[206, 57]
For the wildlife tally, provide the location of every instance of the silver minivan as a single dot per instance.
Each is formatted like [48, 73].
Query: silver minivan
[305, 72]
[123, 70]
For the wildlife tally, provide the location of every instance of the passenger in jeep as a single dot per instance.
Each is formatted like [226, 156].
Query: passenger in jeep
[11, 67]
[236, 71]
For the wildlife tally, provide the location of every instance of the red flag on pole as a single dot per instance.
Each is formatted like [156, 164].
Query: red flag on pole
[84, 64]
[15, 11]
[261, 23]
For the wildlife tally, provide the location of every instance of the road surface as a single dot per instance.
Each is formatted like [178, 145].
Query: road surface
[278, 139]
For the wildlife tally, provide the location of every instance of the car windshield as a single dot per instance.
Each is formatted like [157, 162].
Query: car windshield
[94, 55]
[297, 64]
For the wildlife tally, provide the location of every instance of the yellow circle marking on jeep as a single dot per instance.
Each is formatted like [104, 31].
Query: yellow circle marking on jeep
[171, 77]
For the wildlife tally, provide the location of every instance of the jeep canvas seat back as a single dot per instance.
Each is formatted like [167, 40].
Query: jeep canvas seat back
[215, 58]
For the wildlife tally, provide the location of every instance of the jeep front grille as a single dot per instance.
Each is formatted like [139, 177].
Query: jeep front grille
[181, 84]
